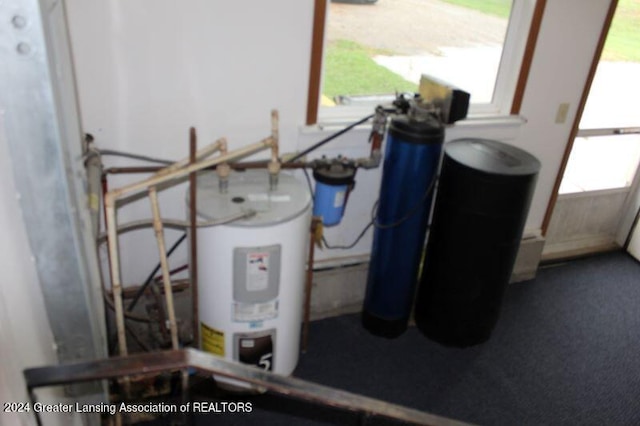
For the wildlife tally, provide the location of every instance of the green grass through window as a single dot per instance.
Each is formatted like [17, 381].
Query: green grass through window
[350, 70]
[623, 41]
[500, 8]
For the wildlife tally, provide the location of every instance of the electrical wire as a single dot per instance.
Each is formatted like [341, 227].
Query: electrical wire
[152, 275]
[411, 212]
[350, 246]
[328, 139]
[130, 315]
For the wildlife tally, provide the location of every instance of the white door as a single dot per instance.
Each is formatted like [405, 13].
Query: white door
[599, 194]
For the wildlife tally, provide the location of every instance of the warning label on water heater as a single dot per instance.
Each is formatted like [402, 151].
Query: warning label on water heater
[257, 271]
[249, 312]
[212, 340]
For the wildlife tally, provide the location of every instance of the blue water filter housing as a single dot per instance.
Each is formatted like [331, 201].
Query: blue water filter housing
[411, 162]
[333, 183]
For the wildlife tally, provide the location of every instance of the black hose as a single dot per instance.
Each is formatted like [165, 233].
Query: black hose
[328, 139]
[149, 279]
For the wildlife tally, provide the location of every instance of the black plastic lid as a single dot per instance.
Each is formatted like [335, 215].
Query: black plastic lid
[492, 157]
[420, 132]
[335, 174]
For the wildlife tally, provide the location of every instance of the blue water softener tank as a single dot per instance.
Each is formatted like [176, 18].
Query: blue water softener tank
[334, 181]
[411, 161]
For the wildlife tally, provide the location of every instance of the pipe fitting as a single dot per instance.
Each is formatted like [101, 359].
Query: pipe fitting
[223, 170]
[274, 170]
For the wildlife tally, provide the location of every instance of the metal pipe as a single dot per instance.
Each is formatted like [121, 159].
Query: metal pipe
[274, 164]
[315, 221]
[132, 170]
[132, 316]
[151, 276]
[114, 260]
[116, 285]
[93, 164]
[223, 171]
[168, 294]
[275, 135]
[176, 224]
[200, 155]
[163, 177]
[235, 166]
[193, 235]
[177, 286]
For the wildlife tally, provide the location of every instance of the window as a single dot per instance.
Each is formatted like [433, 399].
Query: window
[606, 152]
[373, 49]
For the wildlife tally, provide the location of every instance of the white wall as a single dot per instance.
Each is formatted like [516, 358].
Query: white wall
[149, 69]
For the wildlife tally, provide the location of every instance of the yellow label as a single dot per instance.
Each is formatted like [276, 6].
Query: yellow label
[212, 340]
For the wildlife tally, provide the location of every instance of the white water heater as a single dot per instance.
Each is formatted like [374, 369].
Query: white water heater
[251, 271]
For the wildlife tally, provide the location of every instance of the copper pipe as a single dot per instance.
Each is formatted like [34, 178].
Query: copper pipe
[193, 237]
[308, 285]
[201, 155]
[132, 169]
[171, 173]
[149, 184]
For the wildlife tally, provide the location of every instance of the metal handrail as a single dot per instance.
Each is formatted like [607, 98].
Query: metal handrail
[175, 360]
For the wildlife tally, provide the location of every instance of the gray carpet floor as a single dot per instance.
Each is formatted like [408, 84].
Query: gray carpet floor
[566, 351]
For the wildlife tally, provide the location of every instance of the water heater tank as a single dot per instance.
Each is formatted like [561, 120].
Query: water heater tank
[251, 271]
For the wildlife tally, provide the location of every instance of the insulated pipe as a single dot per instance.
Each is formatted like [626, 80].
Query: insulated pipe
[111, 197]
[168, 294]
[173, 173]
[176, 224]
[222, 170]
[114, 260]
[274, 164]
[202, 154]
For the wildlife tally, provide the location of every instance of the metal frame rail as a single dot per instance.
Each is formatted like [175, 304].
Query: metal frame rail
[176, 360]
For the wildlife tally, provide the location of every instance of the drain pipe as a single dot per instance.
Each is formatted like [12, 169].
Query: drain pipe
[193, 234]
